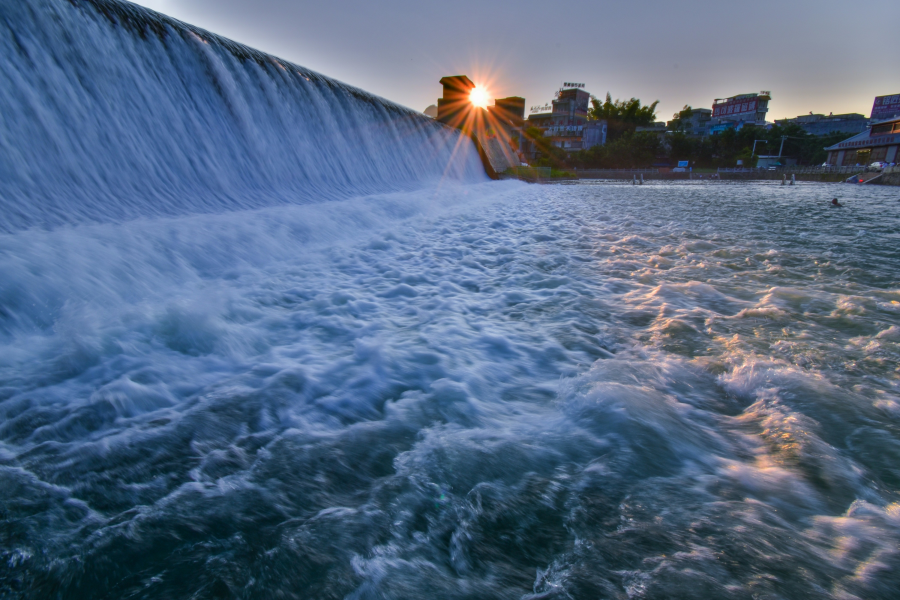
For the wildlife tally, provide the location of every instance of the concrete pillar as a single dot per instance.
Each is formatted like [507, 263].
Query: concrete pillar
[454, 108]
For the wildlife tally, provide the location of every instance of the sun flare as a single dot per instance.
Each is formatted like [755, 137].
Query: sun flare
[479, 96]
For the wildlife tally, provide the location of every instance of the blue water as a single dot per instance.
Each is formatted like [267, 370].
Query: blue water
[426, 385]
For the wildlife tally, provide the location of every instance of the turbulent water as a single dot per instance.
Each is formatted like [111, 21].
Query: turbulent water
[264, 337]
[497, 391]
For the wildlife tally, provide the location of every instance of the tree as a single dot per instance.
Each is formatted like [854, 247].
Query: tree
[681, 147]
[551, 155]
[627, 111]
[680, 118]
[631, 150]
[622, 115]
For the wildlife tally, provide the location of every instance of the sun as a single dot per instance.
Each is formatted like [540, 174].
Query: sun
[479, 96]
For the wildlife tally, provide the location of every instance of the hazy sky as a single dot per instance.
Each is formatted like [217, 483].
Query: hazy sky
[822, 56]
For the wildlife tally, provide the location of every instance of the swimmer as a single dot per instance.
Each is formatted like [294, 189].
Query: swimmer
[834, 202]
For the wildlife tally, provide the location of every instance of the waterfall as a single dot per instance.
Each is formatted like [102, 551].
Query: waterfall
[112, 112]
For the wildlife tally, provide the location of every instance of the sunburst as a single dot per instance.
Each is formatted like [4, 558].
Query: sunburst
[479, 96]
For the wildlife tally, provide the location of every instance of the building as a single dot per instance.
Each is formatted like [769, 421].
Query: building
[740, 110]
[880, 143]
[570, 108]
[565, 121]
[697, 125]
[815, 124]
[660, 128]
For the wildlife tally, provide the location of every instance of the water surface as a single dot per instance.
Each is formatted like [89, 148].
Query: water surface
[487, 390]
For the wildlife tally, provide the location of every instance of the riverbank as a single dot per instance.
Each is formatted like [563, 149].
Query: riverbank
[891, 176]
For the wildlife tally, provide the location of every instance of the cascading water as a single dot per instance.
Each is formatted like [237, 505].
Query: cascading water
[263, 335]
[113, 112]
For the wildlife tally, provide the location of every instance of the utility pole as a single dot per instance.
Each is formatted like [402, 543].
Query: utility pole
[753, 151]
[784, 137]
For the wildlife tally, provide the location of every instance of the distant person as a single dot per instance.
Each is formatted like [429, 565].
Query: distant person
[834, 202]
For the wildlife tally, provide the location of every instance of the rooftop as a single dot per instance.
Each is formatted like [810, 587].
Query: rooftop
[867, 139]
[457, 82]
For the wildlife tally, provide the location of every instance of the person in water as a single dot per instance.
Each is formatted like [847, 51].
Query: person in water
[834, 202]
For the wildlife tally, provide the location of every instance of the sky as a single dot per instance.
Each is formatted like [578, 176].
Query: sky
[814, 56]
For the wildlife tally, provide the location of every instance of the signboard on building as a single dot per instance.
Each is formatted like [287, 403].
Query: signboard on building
[740, 107]
[541, 109]
[569, 85]
[564, 130]
[886, 107]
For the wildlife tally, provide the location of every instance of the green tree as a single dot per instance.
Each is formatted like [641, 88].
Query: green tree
[631, 150]
[747, 159]
[681, 147]
[622, 115]
[551, 156]
[680, 118]
[726, 148]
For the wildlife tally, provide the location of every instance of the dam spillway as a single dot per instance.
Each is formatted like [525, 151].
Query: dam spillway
[115, 112]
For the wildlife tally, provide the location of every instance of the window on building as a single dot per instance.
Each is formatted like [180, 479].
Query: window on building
[882, 129]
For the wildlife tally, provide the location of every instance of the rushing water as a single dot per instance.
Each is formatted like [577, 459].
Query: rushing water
[109, 111]
[491, 391]
[263, 335]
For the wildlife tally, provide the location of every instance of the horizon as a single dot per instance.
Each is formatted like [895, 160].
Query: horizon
[514, 54]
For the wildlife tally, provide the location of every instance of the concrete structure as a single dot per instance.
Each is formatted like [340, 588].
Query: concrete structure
[491, 131]
[571, 107]
[891, 176]
[740, 110]
[658, 127]
[455, 105]
[764, 161]
[509, 110]
[431, 111]
[565, 122]
[573, 138]
[697, 125]
[823, 125]
[880, 143]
